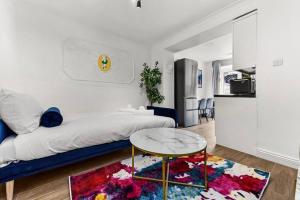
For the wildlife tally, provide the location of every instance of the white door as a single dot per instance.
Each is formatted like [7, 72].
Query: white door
[245, 42]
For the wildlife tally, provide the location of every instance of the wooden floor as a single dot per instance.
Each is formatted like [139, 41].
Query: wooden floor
[54, 184]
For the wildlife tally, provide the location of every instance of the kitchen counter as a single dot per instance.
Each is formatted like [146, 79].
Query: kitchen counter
[236, 123]
[237, 95]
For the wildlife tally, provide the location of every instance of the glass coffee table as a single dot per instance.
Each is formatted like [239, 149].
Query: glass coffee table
[168, 143]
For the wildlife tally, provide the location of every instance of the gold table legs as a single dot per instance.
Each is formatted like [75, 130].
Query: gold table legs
[164, 179]
[165, 175]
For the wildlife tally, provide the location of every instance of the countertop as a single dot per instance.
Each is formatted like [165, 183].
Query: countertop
[237, 95]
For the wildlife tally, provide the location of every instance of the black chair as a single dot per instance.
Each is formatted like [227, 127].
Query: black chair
[202, 109]
[210, 108]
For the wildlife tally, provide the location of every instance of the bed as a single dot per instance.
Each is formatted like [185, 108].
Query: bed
[76, 140]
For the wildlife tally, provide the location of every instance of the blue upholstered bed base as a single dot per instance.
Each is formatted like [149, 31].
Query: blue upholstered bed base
[21, 169]
[26, 168]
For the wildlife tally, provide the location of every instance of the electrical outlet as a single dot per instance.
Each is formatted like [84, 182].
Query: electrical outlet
[278, 62]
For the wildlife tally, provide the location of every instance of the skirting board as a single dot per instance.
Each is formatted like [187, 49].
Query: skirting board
[278, 158]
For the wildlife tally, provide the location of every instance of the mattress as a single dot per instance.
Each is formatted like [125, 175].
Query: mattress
[82, 131]
[7, 151]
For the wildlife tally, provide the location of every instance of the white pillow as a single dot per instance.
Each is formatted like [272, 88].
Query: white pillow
[20, 112]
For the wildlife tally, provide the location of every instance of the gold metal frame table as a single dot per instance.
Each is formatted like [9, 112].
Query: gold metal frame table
[168, 143]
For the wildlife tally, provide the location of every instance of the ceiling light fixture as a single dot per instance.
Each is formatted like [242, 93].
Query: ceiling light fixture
[139, 4]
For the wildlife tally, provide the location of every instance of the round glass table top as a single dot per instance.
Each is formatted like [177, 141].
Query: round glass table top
[168, 141]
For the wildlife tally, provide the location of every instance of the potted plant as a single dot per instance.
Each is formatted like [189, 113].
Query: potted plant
[150, 81]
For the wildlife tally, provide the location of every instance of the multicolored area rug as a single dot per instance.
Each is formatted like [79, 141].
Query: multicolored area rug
[227, 180]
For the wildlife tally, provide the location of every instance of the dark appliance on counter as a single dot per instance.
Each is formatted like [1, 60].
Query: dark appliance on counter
[186, 102]
[242, 86]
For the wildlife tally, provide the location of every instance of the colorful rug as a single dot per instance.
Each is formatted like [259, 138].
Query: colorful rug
[227, 180]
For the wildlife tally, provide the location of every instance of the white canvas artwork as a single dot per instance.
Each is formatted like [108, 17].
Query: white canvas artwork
[82, 63]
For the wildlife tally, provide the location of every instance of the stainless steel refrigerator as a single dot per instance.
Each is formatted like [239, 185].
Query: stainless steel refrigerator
[186, 102]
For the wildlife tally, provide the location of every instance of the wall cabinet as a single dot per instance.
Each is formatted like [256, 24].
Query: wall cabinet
[245, 42]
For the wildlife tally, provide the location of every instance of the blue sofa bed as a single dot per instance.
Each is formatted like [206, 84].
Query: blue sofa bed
[22, 169]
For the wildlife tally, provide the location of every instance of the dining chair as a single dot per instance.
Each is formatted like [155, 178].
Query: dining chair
[202, 109]
[210, 108]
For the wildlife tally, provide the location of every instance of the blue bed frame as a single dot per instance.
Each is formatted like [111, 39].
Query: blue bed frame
[22, 169]
[26, 168]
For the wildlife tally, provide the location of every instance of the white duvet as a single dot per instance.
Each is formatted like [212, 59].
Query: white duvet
[84, 131]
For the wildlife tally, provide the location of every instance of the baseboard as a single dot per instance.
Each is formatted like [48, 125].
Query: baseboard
[277, 158]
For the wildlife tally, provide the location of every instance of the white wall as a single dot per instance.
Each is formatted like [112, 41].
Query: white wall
[166, 64]
[207, 73]
[209, 91]
[277, 136]
[7, 40]
[40, 35]
[278, 87]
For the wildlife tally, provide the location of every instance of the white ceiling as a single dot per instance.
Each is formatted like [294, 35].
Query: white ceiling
[217, 49]
[155, 20]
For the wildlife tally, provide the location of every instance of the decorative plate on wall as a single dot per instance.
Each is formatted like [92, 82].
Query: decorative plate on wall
[104, 63]
[94, 62]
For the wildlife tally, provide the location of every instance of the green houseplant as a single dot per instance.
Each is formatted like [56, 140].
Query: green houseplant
[150, 81]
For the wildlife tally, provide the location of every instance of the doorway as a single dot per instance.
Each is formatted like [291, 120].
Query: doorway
[207, 54]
